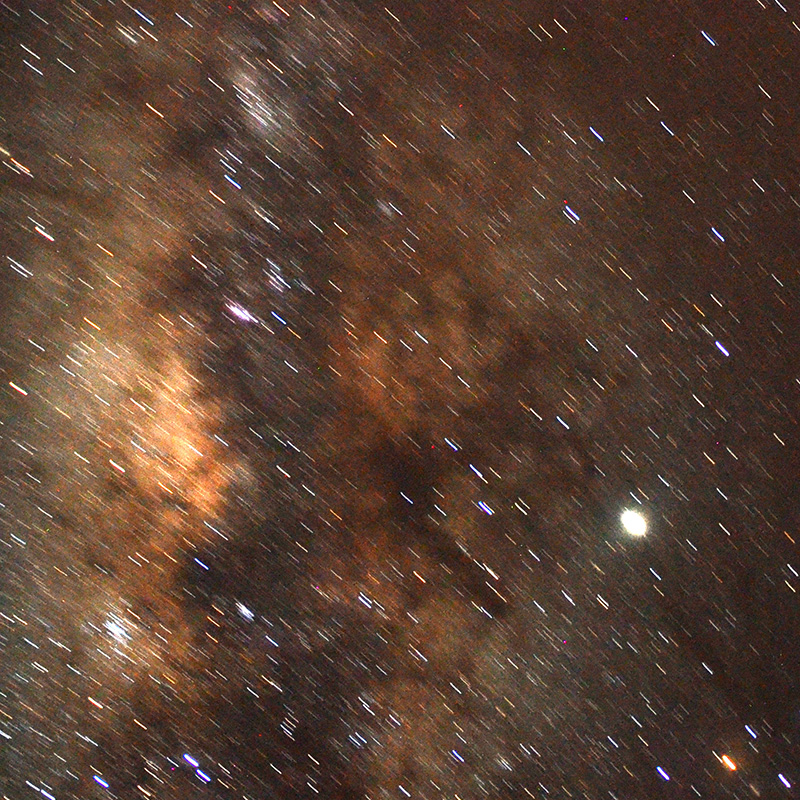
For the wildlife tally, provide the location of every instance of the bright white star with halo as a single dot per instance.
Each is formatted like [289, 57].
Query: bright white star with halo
[633, 522]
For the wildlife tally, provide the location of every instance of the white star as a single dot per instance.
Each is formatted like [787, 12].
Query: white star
[633, 522]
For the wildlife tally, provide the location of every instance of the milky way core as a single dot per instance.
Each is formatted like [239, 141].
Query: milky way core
[336, 336]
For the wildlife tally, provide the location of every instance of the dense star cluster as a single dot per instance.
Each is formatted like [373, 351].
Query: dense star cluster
[399, 401]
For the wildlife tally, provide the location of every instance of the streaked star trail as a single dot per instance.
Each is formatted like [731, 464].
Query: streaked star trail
[399, 401]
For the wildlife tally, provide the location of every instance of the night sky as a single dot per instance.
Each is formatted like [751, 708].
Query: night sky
[399, 401]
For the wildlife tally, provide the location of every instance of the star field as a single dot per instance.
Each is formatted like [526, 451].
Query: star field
[399, 401]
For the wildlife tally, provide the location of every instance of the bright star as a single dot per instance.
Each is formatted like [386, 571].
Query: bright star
[117, 629]
[634, 523]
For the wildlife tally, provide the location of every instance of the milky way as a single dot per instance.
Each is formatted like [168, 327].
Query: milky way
[399, 401]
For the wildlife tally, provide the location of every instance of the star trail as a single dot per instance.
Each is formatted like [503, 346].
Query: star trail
[399, 401]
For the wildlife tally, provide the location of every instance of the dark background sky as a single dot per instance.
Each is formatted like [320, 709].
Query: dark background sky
[336, 339]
